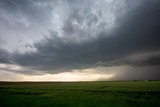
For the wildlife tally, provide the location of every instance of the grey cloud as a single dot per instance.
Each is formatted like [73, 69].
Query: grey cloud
[25, 20]
[5, 57]
[137, 61]
[22, 70]
[28, 8]
[150, 61]
[137, 31]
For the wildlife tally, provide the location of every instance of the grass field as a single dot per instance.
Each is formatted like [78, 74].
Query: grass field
[80, 94]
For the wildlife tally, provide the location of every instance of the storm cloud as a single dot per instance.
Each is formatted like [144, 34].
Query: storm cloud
[86, 34]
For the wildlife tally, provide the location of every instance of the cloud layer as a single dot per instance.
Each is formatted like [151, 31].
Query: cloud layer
[79, 35]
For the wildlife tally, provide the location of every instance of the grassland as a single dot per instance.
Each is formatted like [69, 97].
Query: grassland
[80, 94]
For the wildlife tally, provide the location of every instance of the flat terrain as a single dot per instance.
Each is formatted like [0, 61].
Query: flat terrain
[80, 94]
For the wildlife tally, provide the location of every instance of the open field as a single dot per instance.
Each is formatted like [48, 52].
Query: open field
[80, 94]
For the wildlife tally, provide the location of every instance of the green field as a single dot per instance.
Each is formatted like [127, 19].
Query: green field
[80, 94]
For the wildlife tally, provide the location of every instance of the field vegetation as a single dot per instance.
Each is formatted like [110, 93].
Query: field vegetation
[80, 94]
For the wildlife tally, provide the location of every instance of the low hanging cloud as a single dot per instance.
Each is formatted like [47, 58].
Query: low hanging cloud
[92, 37]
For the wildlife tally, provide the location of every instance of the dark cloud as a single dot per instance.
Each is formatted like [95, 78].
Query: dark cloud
[5, 56]
[135, 61]
[137, 31]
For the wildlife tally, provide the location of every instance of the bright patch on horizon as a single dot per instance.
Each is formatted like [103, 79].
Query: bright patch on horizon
[62, 77]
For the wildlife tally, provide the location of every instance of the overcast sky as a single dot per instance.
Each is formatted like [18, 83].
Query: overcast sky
[79, 40]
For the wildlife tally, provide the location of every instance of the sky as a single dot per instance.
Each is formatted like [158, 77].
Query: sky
[79, 40]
